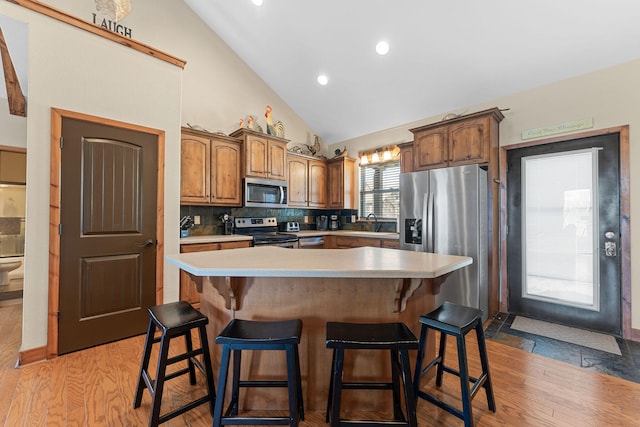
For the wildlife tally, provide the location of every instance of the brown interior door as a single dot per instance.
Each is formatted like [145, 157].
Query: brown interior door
[107, 234]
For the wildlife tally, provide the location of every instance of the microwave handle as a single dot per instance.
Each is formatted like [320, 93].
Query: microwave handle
[281, 194]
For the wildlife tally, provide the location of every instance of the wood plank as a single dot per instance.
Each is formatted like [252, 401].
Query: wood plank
[94, 401]
[75, 390]
[19, 407]
[40, 395]
[57, 411]
[8, 391]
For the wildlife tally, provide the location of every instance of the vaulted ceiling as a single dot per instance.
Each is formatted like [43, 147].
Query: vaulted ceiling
[443, 55]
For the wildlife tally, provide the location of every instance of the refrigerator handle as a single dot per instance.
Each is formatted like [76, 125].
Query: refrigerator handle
[428, 237]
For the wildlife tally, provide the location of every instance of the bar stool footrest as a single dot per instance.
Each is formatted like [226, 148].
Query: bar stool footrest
[367, 386]
[373, 423]
[183, 409]
[477, 382]
[263, 383]
[452, 410]
[264, 421]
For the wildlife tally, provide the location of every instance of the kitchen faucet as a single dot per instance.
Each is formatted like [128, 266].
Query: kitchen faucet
[375, 218]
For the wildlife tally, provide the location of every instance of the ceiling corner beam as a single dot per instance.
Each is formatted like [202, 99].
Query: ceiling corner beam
[17, 104]
[61, 16]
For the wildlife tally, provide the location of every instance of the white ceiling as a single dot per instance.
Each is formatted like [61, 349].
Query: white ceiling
[444, 55]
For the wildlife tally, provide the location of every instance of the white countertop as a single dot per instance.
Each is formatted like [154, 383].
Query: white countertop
[219, 238]
[273, 261]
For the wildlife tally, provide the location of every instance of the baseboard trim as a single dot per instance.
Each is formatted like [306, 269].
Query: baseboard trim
[32, 355]
[635, 335]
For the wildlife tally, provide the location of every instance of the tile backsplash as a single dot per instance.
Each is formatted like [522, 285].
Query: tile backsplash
[211, 223]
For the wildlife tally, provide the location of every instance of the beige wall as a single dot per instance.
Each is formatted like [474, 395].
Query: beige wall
[610, 96]
[74, 70]
[14, 128]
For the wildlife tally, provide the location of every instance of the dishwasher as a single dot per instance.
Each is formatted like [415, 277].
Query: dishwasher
[311, 242]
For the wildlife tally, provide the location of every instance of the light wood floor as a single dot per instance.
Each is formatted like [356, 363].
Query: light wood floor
[95, 387]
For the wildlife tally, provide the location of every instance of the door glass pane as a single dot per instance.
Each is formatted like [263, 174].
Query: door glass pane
[559, 219]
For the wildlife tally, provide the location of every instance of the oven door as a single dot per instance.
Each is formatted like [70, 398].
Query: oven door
[287, 244]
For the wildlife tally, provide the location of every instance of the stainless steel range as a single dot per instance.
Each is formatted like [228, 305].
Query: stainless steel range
[265, 232]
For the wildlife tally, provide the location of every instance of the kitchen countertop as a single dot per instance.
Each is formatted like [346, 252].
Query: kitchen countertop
[364, 262]
[219, 238]
[365, 284]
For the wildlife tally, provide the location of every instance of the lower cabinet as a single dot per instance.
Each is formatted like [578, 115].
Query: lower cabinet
[188, 291]
[345, 242]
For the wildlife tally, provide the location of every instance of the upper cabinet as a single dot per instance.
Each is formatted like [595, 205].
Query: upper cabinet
[13, 167]
[307, 179]
[264, 155]
[341, 182]
[406, 157]
[463, 140]
[210, 167]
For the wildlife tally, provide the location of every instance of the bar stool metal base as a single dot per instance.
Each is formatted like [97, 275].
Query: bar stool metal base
[456, 320]
[394, 337]
[174, 320]
[241, 335]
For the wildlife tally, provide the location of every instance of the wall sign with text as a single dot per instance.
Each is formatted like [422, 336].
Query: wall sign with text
[110, 12]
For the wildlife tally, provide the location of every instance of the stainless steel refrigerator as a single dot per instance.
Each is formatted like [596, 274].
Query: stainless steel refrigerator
[445, 211]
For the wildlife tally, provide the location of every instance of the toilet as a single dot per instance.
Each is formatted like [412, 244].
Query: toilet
[7, 265]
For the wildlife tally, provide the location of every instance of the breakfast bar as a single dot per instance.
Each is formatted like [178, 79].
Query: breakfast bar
[365, 284]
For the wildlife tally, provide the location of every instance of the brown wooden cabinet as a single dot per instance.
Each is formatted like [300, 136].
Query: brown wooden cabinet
[345, 242]
[188, 291]
[307, 178]
[264, 155]
[464, 140]
[406, 157]
[341, 183]
[390, 243]
[13, 166]
[210, 169]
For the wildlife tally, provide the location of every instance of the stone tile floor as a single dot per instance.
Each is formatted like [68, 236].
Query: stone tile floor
[626, 366]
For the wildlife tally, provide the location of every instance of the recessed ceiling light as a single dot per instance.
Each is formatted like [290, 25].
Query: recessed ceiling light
[323, 80]
[257, 2]
[382, 48]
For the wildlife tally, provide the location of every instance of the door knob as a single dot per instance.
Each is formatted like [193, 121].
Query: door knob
[147, 243]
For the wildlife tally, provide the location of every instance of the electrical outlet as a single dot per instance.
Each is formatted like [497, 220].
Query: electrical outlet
[353, 218]
[306, 219]
[196, 219]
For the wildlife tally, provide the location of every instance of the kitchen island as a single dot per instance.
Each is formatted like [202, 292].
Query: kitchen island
[364, 284]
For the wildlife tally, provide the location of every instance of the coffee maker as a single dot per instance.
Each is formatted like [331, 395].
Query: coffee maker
[334, 222]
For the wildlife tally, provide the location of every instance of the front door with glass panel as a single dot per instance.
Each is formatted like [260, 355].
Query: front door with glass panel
[563, 206]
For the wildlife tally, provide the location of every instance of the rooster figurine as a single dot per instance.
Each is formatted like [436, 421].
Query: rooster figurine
[253, 125]
[275, 129]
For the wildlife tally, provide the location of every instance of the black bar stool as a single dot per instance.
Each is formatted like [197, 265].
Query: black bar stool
[175, 319]
[456, 320]
[395, 337]
[241, 335]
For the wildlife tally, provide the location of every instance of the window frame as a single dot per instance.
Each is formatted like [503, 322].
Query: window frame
[378, 193]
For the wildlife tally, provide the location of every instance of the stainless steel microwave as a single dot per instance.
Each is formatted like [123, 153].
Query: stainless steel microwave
[265, 193]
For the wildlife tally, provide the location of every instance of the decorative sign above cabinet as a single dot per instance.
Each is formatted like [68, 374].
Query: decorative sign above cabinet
[564, 127]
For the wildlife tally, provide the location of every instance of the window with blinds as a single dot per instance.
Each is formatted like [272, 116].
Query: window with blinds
[380, 190]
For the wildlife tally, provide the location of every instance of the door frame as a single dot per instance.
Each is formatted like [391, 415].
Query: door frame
[57, 115]
[625, 237]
